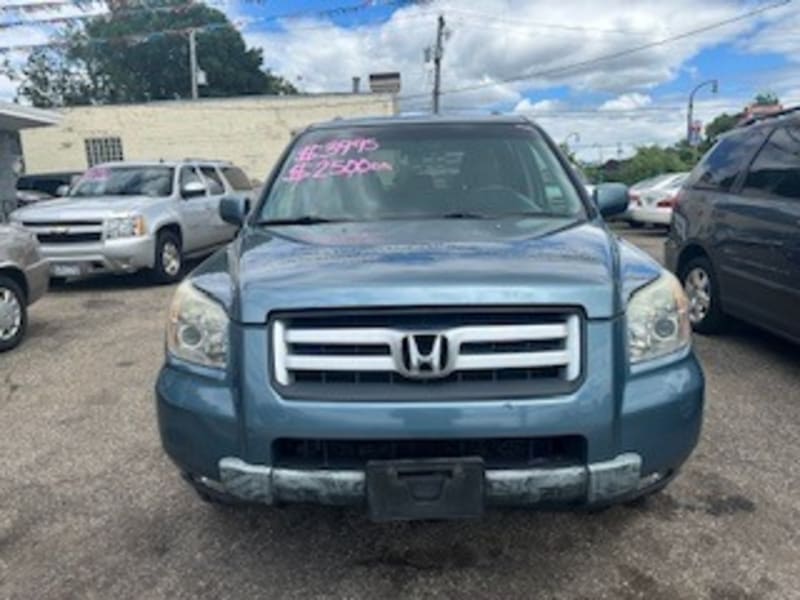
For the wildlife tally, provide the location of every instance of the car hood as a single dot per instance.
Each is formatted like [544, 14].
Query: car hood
[70, 208]
[493, 262]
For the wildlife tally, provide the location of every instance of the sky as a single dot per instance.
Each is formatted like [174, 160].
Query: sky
[608, 76]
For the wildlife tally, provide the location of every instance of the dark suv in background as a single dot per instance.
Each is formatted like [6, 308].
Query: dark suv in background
[735, 236]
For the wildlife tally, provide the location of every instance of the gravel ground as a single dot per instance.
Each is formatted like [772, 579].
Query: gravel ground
[91, 508]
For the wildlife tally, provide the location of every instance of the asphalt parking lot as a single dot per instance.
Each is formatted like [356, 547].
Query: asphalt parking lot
[91, 508]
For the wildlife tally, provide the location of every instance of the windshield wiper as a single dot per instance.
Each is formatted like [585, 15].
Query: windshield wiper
[305, 220]
[461, 215]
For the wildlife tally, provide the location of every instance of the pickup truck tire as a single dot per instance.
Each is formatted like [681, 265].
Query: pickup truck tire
[13, 314]
[700, 282]
[169, 258]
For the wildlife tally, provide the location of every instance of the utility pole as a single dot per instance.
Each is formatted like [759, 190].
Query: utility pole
[193, 61]
[437, 64]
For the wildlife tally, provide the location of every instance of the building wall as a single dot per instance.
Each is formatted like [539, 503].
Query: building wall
[250, 131]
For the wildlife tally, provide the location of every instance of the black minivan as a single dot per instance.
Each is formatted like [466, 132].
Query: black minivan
[735, 235]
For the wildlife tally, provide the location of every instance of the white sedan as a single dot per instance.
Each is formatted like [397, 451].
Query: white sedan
[652, 201]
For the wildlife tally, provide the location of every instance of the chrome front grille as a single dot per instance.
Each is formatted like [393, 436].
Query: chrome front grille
[65, 232]
[441, 353]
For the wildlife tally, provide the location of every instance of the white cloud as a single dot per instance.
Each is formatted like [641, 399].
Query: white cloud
[612, 134]
[627, 102]
[542, 106]
[779, 34]
[503, 40]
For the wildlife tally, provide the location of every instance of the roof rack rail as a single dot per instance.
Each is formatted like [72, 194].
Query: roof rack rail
[758, 118]
[207, 160]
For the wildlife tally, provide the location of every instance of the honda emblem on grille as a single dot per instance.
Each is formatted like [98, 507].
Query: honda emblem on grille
[424, 356]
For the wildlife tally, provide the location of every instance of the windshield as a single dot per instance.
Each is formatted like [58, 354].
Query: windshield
[419, 172]
[125, 181]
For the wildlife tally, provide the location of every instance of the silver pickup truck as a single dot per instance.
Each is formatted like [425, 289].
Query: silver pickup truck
[126, 216]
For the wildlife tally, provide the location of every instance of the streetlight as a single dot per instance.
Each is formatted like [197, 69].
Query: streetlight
[714, 83]
[600, 164]
[575, 135]
[599, 149]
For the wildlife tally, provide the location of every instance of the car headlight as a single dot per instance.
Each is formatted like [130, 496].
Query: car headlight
[121, 227]
[658, 319]
[197, 328]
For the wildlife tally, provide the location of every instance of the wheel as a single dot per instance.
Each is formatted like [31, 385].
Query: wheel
[169, 258]
[13, 314]
[705, 308]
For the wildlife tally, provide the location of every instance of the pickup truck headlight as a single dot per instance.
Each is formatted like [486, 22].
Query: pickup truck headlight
[122, 227]
[658, 319]
[197, 328]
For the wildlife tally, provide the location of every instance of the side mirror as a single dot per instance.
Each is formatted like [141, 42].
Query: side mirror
[62, 190]
[234, 209]
[193, 189]
[611, 198]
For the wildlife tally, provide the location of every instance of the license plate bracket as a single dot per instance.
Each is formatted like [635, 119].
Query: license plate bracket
[404, 490]
[65, 270]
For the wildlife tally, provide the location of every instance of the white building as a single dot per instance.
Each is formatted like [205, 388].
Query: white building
[14, 118]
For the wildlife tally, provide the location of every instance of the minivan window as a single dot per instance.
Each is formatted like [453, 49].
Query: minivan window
[776, 169]
[723, 164]
[421, 172]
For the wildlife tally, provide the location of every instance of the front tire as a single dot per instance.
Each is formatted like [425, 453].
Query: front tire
[702, 287]
[169, 258]
[13, 314]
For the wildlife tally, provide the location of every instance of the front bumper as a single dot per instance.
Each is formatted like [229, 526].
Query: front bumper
[124, 255]
[594, 484]
[640, 434]
[653, 216]
[38, 277]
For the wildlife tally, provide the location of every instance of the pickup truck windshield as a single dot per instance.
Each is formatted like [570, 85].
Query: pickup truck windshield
[420, 172]
[124, 181]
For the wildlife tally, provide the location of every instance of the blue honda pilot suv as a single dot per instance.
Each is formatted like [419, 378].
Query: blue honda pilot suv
[426, 317]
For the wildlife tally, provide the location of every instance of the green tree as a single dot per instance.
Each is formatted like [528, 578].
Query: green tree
[720, 125]
[140, 55]
[647, 162]
[767, 99]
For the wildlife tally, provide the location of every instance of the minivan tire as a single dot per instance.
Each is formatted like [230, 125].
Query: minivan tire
[700, 270]
[12, 295]
[168, 250]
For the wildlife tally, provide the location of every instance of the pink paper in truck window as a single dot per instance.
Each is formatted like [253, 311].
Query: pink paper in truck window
[97, 174]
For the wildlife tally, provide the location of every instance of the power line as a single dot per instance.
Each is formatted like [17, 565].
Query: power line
[615, 55]
[43, 6]
[511, 30]
[482, 16]
[157, 7]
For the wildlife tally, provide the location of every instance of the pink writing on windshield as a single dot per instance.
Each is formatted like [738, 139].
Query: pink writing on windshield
[323, 169]
[338, 147]
[321, 161]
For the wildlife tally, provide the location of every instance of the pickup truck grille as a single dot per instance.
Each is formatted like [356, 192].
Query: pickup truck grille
[65, 232]
[432, 354]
